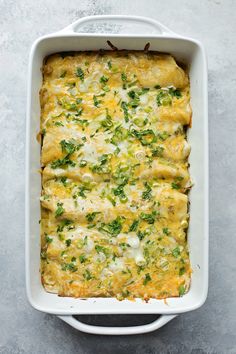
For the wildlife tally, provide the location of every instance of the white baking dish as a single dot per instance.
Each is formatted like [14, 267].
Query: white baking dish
[183, 49]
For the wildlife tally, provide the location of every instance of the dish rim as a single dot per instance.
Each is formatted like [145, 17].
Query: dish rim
[62, 34]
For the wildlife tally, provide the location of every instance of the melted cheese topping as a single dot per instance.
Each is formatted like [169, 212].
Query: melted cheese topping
[115, 175]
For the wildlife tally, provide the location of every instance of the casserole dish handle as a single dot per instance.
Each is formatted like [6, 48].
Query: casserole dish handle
[118, 24]
[117, 331]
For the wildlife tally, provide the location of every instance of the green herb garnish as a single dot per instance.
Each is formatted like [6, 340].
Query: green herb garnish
[103, 79]
[62, 163]
[123, 77]
[119, 191]
[181, 290]
[63, 224]
[175, 185]
[60, 210]
[113, 228]
[146, 137]
[82, 163]
[176, 252]
[166, 231]
[124, 106]
[80, 74]
[102, 249]
[147, 194]
[82, 258]
[134, 226]
[91, 216]
[157, 151]
[96, 101]
[149, 218]
[48, 239]
[69, 266]
[87, 275]
[68, 242]
[70, 146]
[147, 279]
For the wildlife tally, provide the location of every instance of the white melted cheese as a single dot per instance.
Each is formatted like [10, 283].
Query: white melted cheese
[100, 257]
[133, 241]
[90, 152]
[116, 265]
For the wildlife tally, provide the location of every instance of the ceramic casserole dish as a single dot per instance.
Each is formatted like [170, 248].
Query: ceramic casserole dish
[79, 36]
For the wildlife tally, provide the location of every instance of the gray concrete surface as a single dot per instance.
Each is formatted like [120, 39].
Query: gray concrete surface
[210, 329]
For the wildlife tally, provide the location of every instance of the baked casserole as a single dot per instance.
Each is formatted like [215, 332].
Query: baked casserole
[114, 204]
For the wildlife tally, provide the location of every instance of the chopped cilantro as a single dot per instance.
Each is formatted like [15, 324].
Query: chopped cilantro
[166, 231]
[68, 242]
[147, 279]
[103, 79]
[80, 74]
[175, 92]
[113, 228]
[102, 249]
[141, 235]
[87, 275]
[102, 166]
[119, 191]
[149, 218]
[123, 77]
[175, 185]
[81, 193]
[69, 266]
[157, 151]
[60, 210]
[62, 163]
[135, 100]
[59, 124]
[82, 258]
[63, 180]
[48, 239]
[91, 216]
[147, 194]
[63, 224]
[96, 101]
[70, 146]
[134, 226]
[124, 106]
